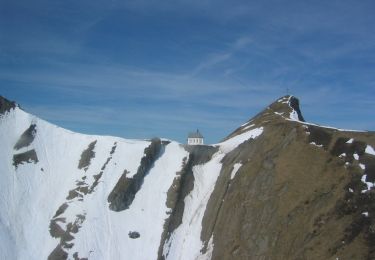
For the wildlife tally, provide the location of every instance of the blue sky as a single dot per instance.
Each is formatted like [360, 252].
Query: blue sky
[139, 69]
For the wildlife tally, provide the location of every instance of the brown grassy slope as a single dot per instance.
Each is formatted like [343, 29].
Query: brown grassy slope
[290, 199]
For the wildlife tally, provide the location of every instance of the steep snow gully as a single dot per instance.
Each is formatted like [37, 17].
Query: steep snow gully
[66, 195]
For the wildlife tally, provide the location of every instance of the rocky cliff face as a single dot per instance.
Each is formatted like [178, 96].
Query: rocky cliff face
[276, 188]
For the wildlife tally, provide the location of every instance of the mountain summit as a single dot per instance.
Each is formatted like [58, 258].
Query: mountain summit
[283, 109]
[276, 188]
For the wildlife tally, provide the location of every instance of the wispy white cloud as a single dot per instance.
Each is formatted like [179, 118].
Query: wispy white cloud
[211, 61]
[99, 79]
[242, 42]
[214, 59]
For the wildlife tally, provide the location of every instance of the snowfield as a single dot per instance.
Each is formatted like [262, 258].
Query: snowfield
[51, 206]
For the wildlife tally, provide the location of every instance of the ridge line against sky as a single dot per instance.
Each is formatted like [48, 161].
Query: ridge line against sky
[139, 69]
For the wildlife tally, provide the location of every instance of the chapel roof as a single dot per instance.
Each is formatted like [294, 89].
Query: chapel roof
[196, 134]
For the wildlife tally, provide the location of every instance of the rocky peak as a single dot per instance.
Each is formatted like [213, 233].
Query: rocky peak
[6, 105]
[294, 104]
[282, 110]
[287, 106]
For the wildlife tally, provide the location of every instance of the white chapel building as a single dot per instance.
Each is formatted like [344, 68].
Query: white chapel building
[195, 138]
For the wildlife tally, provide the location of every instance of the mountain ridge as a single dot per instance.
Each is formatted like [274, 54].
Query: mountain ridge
[276, 188]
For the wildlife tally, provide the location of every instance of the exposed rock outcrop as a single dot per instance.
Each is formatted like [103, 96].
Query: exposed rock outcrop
[124, 192]
[6, 105]
[86, 156]
[26, 138]
[26, 157]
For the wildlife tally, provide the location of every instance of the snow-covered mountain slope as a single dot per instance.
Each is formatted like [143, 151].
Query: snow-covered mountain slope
[276, 188]
[54, 202]
[68, 195]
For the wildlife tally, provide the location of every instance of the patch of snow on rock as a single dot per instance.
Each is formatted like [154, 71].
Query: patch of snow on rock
[208, 254]
[369, 184]
[248, 126]
[294, 116]
[370, 150]
[319, 145]
[235, 141]
[236, 166]
[244, 124]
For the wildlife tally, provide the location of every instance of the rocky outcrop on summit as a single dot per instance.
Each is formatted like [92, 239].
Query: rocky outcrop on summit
[294, 104]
